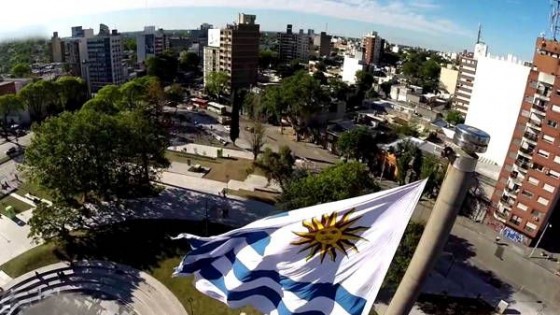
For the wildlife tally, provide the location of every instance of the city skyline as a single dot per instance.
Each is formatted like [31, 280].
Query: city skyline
[426, 23]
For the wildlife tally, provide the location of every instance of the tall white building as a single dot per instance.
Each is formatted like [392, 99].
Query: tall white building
[497, 95]
[104, 64]
[352, 64]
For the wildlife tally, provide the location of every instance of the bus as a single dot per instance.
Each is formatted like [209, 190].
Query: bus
[217, 108]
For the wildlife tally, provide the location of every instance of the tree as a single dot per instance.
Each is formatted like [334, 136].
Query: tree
[175, 93]
[386, 87]
[274, 104]
[409, 158]
[364, 80]
[320, 76]
[257, 139]
[9, 103]
[216, 83]
[404, 254]
[358, 144]
[163, 66]
[278, 166]
[342, 181]
[72, 92]
[267, 59]
[21, 70]
[455, 117]
[189, 61]
[41, 98]
[53, 223]
[252, 106]
[406, 130]
[304, 98]
[130, 44]
[429, 73]
[434, 170]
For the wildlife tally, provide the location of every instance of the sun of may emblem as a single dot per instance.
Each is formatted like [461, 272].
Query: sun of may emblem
[329, 235]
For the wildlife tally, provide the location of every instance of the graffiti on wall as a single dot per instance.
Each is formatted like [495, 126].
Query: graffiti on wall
[512, 235]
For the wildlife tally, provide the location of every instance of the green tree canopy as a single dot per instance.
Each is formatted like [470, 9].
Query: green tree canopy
[267, 59]
[130, 44]
[217, 83]
[358, 144]
[9, 104]
[342, 181]
[278, 166]
[189, 61]
[163, 66]
[72, 92]
[21, 70]
[364, 80]
[455, 117]
[41, 98]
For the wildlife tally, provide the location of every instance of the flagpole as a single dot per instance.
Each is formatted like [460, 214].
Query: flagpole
[460, 174]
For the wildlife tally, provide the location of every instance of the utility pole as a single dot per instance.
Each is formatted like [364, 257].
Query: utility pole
[539, 240]
[460, 175]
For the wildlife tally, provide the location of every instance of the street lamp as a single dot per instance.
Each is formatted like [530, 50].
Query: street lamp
[539, 241]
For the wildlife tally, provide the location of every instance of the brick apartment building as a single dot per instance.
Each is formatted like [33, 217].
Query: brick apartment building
[528, 188]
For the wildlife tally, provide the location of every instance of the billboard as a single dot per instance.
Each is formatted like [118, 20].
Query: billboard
[214, 37]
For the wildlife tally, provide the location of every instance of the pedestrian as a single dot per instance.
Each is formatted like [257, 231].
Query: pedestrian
[498, 239]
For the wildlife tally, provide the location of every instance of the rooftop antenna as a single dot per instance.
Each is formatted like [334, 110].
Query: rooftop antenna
[555, 18]
[480, 32]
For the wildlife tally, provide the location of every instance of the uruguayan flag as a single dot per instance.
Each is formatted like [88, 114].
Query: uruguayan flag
[326, 259]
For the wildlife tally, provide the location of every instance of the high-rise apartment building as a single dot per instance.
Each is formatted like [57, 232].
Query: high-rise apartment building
[527, 191]
[468, 62]
[151, 43]
[239, 51]
[56, 48]
[372, 48]
[104, 64]
[323, 43]
[211, 61]
[293, 46]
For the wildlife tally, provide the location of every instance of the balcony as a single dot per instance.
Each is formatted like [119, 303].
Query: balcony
[531, 137]
[534, 124]
[539, 108]
[526, 151]
[523, 165]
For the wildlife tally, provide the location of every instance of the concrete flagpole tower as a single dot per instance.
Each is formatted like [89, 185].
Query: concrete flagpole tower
[460, 175]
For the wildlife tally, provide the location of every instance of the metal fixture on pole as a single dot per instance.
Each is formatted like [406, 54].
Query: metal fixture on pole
[539, 240]
[468, 141]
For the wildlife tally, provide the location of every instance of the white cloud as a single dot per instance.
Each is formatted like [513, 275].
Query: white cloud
[398, 14]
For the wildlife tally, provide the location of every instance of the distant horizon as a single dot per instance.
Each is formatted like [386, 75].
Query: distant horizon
[417, 23]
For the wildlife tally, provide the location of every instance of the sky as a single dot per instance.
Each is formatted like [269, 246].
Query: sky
[508, 26]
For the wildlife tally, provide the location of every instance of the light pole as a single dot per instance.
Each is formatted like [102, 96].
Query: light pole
[460, 175]
[539, 240]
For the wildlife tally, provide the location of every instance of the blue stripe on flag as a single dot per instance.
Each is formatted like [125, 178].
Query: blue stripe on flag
[257, 240]
[305, 291]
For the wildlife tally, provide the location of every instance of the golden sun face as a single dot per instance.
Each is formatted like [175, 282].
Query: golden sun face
[329, 235]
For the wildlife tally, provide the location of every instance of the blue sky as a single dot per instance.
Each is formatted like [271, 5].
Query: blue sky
[509, 26]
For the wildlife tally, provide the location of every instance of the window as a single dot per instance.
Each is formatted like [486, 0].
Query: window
[533, 181]
[521, 206]
[536, 214]
[548, 138]
[527, 194]
[548, 188]
[543, 201]
[516, 220]
[552, 123]
[556, 108]
[530, 227]
[543, 153]
[537, 167]
[557, 159]
[554, 174]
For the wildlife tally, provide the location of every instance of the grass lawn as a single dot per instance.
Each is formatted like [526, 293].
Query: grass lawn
[18, 205]
[220, 169]
[29, 187]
